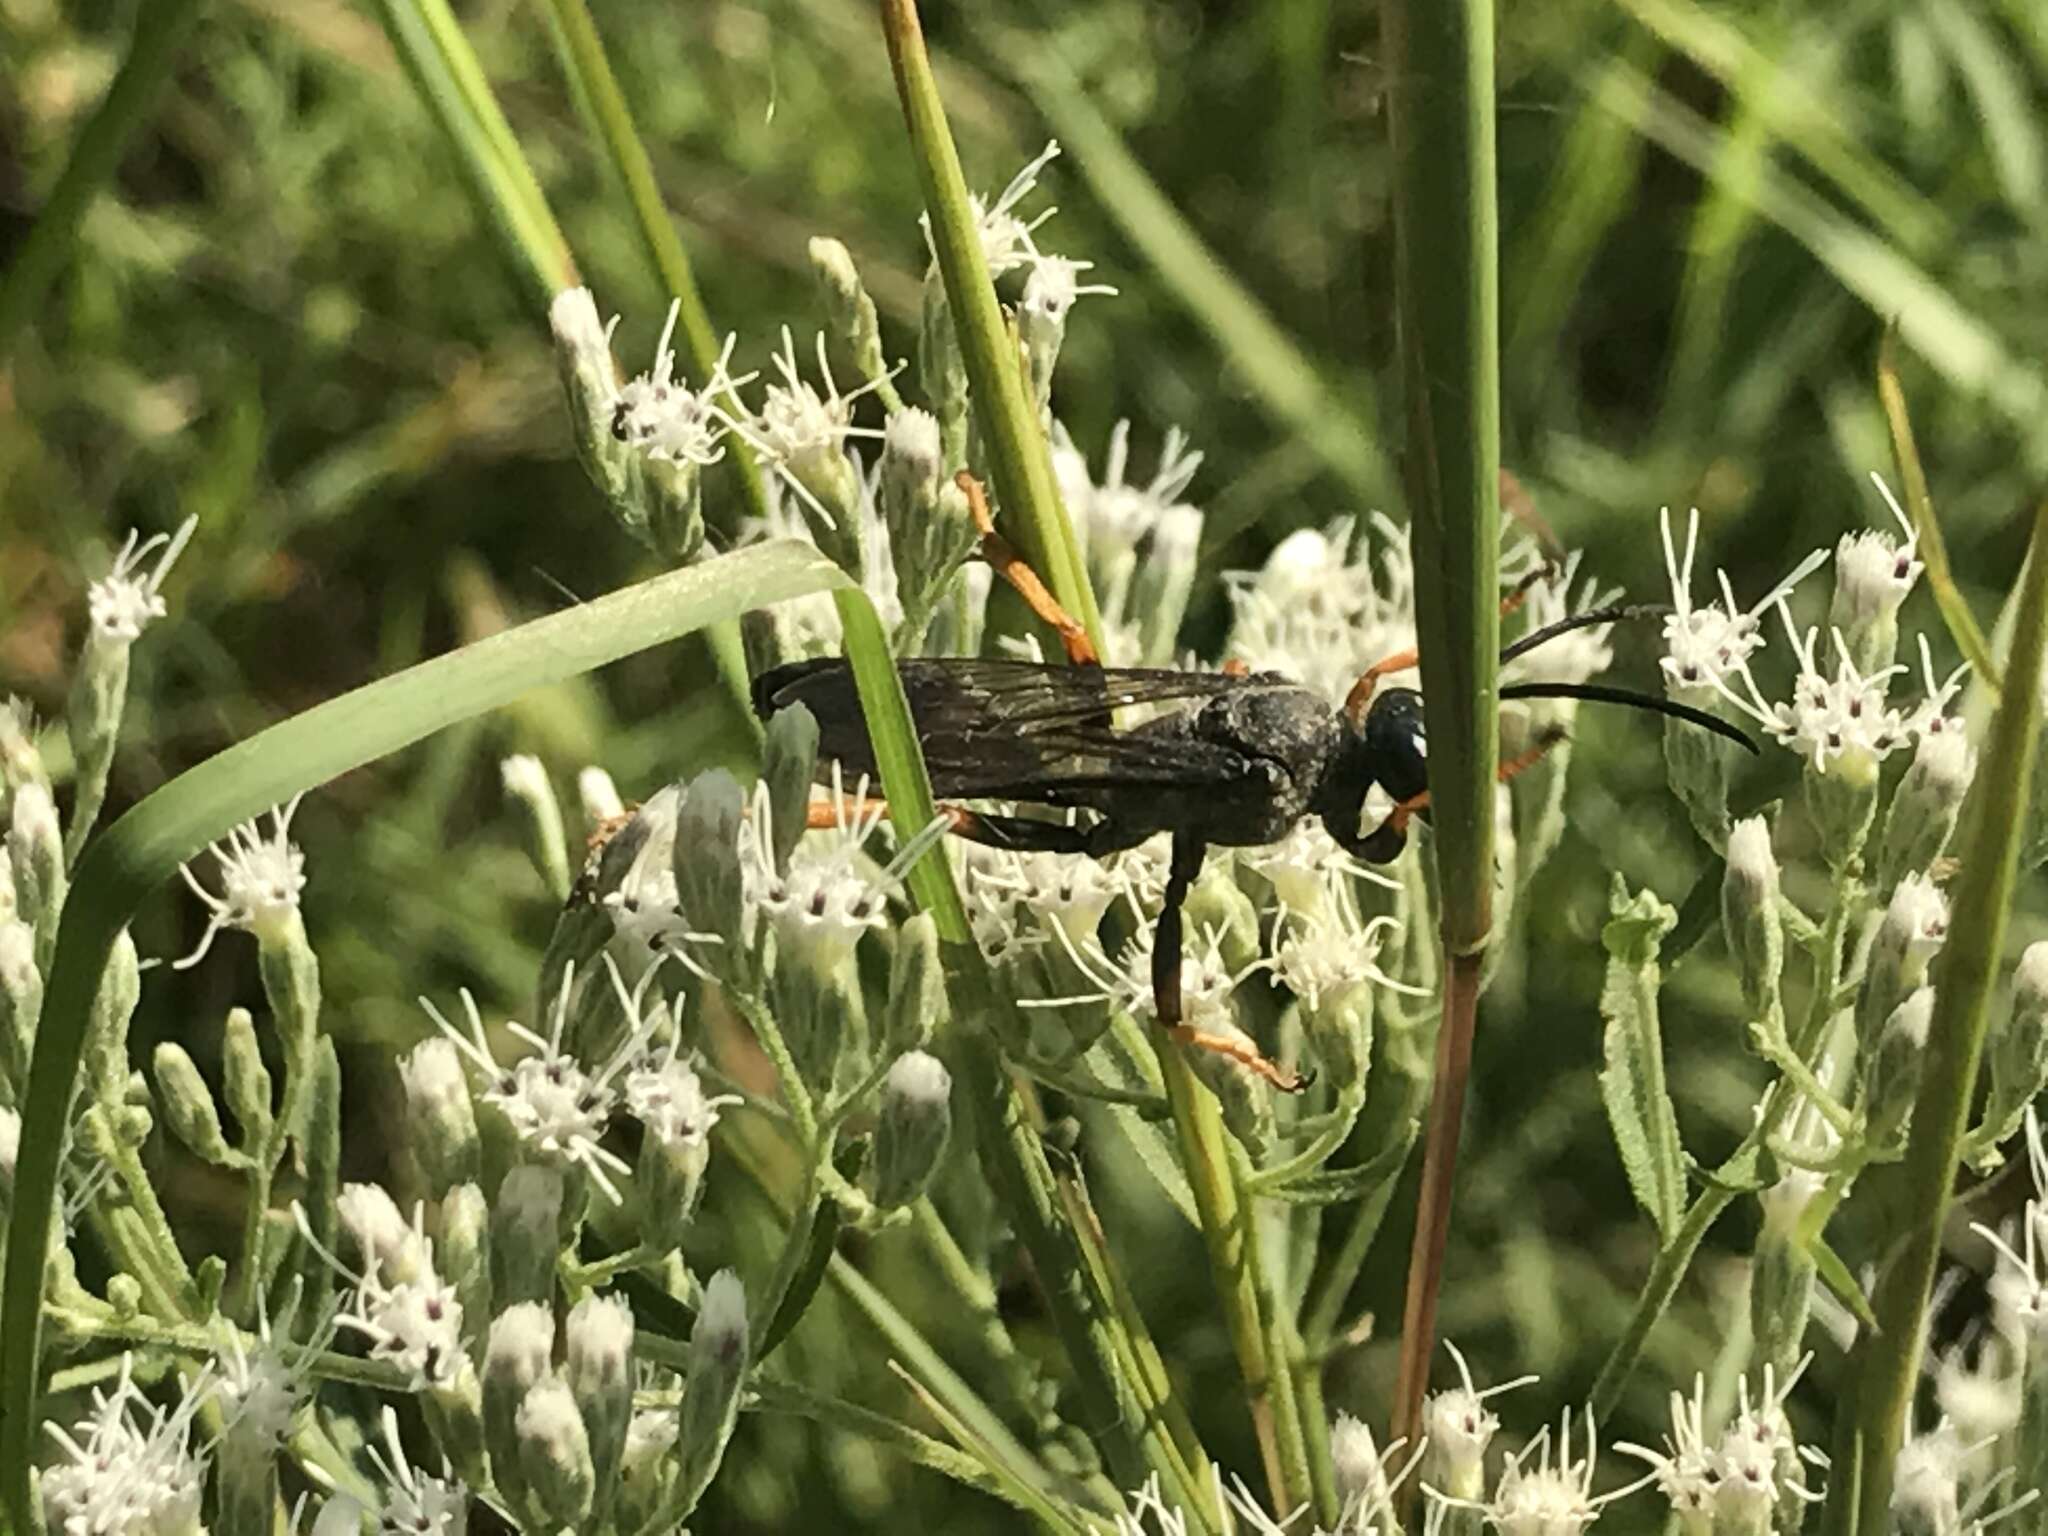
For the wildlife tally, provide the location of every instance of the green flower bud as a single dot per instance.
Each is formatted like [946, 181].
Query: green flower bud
[821, 1017]
[789, 762]
[36, 850]
[440, 1117]
[1750, 918]
[709, 887]
[1842, 799]
[848, 306]
[931, 530]
[189, 1109]
[1699, 766]
[525, 1235]
[1781, 1277]
[462, 1252]
[244, 1078]
[455, 1412]
[1246, 1100]
[2018, 1051]
[1891, 1080]
[942, 370]
[911, 1134]
[516, 1359]
[527, 787]
[1914, 926]
[106, 1039]
[917, 988]
[599, 1369]
[711, 1389]
[1925, 806]
[124, 1295]
[20, 760]
[554, 1451]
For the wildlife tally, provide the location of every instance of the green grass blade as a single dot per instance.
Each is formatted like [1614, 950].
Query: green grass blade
[1441, 123]
[1875, 1415]
[597, 92]
[1339, 426]
[449, 79]
[1955, 609]
[143, 850]
[1021, 466]
[159, 29]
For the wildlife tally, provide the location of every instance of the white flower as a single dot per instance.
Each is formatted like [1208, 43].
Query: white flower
[414, 1503]
[1705, 646]
[1306, 865]
[1841, 722]
[1684, 1470]
[1930, 719]
[1006, 242]
[124, 602]
[1552, 1499]
[665, 1094]
[1057, 889]
[2019, 1285]
[1206, 982]
[1872, 573]
[1325, 957]
[644, 906]
[801, 429]
[825, 900]
[1322, 609]
[1052, 287]
[128, 1468]
[1756, 1459]
[260, 877]
[10, 1148]
[598, 796]
[259, 1390]
[555, 1107]
[1978, 1390]
[1457, 1426]
[1927, 1483]
[1578, 654]
[414, 1322]
[667, 420]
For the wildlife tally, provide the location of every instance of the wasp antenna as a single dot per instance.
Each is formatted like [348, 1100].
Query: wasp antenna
[1625, 613]
[1601, 693]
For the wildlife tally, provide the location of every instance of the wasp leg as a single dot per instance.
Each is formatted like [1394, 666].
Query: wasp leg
[1013, 568]
[1356, 701]
[1188, 853]
[1021, 834]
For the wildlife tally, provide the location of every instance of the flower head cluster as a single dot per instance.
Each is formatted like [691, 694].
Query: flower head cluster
[1323, 608]
[1704, 647]
[125, 601]
[128, 1465]
[1840, 722]
[400, 1303]
[800, 428]
[666, 420]
[1546, 1492]
[261, 876]
[557, 1108]
[1736, 1481]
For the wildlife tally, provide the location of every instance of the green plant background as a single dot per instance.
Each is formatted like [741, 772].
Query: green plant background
[287, 318]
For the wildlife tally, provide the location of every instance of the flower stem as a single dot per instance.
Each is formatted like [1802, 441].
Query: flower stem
[1873, 1421]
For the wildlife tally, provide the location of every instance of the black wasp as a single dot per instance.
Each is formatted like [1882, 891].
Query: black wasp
[1246, 757]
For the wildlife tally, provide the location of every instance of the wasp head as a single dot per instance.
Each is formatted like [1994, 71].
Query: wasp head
[1389, 750]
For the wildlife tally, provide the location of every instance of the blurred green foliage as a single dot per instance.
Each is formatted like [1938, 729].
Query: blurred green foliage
[288, 319]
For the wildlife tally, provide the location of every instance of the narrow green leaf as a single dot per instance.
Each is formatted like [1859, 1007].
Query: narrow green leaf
[1342, 1185]
[152, 51]
[1632, 1084]
[1873, 1417]
[142, 851]
[1955, 610]
[1021, 466]
[796, 1300]
[1835, 1275]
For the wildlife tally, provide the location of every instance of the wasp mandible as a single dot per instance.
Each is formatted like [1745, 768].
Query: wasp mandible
[1244, 757]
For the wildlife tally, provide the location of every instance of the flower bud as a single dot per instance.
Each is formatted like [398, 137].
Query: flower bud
[527, 787]
[462, 1251]
[931, 528]
[1218, 908]
[942, 370]
[1925, 805]
[1841, 796]
[20, 760]
[113, 1007]
[516, 1360]
[10, 1154]
[711, 1389]
[709, 887]
[21, 998]
[789, 761]
[554, 1450]
[1246, 1101]
[1362, 1490]
[1891, 1080]
[916, 1120]
[599, 1369]
[1872, 577]
[917, 988]
[1699, 766]
[454, 1405]
[648, 1471]
[1457, 1427]
[1781, 1274]
[1915, 923]
[36, 850]
[440, 1118]
[525, 1235]
[2018, 1050]
[383, 1237]
[847, 305]
[1164, 581]
[599, 797]
[244, 1078]
[189, 1109]
[583, 352]
[1750, 918]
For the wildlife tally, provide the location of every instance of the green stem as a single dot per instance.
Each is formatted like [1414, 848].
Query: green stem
[1319, 1151]
[1673, 1260]
[1874, 1416]
[1021, 464]
[153, 50]
[1440, 117]
[761, 1019]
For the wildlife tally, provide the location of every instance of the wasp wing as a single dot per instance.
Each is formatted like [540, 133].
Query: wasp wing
[1021, 730]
